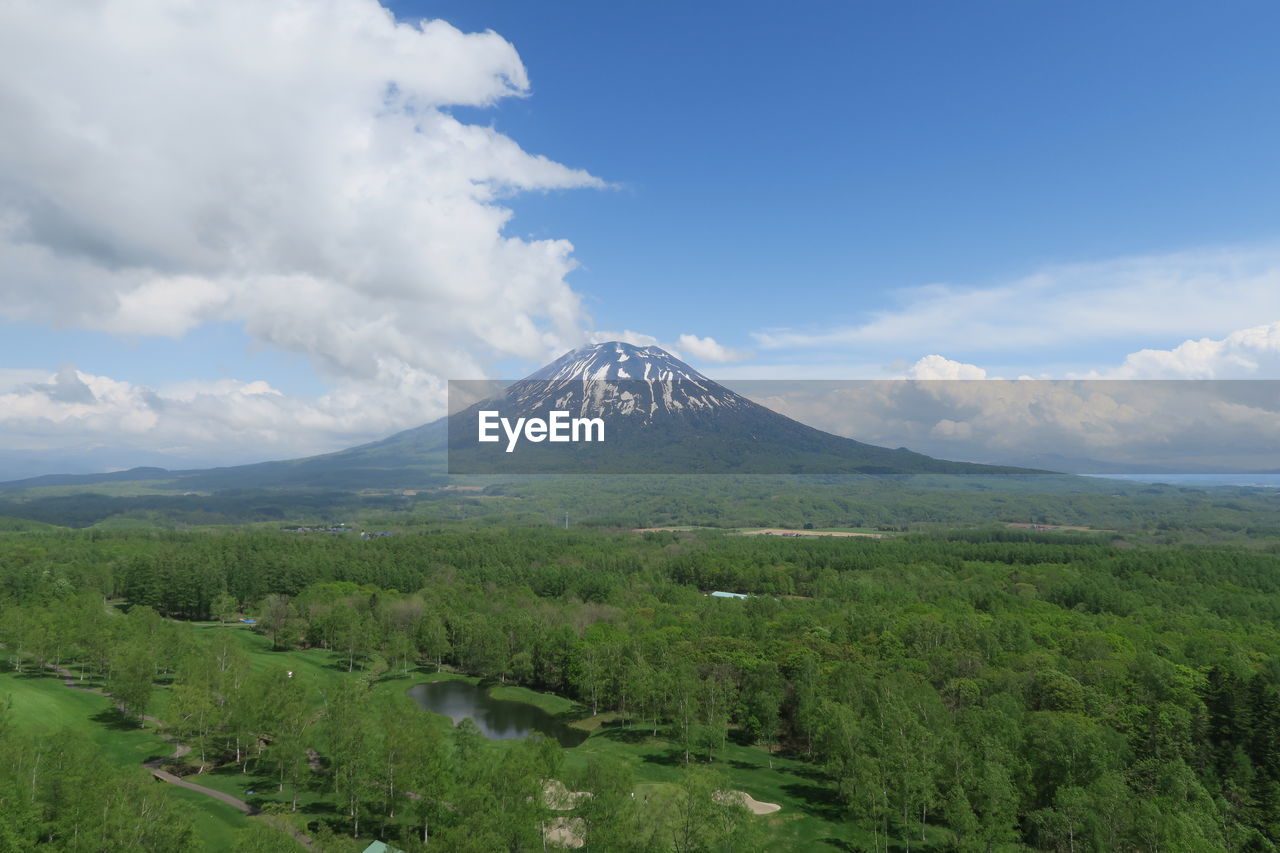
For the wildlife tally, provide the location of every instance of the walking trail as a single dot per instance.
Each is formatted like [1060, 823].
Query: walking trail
[155, 765]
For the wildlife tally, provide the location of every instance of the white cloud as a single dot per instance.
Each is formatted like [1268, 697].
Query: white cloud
[708, 349]
[11, 378]
[1252, 353]
[627, 336]
[229, 419]
[1083, 425]
[290, 165]
[1181, 294]
[937, 367]
[700, 349]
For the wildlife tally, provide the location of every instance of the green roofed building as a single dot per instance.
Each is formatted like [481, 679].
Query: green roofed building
[381, 847]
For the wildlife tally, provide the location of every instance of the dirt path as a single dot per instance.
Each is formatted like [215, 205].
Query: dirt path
[166, 776]
[180, 750]
[779, 531]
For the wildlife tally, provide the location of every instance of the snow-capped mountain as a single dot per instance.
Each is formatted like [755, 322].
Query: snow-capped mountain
[661, 416]
[619, 379]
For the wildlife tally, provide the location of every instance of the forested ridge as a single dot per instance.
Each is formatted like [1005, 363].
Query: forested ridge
[1165, 513]
[981, 690]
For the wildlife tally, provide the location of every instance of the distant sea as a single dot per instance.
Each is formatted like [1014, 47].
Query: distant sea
[1265, 481]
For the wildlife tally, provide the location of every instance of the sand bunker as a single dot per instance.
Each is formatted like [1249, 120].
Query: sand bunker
[564, 832]
[757, 807]
[560, 798]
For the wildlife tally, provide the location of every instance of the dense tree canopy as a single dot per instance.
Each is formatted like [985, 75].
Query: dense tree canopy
[1055, 691]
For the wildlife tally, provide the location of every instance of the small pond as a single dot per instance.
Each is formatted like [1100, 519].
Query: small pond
[497, 719]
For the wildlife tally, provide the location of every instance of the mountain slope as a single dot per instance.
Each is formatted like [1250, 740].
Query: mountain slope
[662, 416]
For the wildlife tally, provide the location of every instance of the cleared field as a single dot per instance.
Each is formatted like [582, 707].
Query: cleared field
[779, 531]
[1026, 525]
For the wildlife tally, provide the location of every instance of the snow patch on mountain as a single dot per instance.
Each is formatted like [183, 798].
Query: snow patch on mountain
[592, 382]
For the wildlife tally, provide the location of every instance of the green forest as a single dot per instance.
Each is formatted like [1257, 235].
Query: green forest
[1156, 512]
[975, 690]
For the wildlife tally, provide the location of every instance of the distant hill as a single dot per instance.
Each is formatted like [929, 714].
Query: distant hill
[663, 417]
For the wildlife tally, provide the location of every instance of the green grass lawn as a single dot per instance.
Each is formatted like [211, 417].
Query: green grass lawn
[216, 823]
[811, 818]
[44, 706]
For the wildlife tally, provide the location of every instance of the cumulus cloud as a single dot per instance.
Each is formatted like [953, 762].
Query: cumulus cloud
[286, 165]
[627, 336]
[1244, 354]
[11, 378]
[1180, 294]
[938, 367]
[1252, 353]
[1136, 416]
[228, 419]
[1090, 426]
[708, 349]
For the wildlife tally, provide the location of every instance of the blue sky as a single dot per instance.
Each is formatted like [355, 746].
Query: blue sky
[810, 190]
[838, 152]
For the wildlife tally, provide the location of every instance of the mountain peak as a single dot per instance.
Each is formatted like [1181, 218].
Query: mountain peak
[618, 378]
[615, 361]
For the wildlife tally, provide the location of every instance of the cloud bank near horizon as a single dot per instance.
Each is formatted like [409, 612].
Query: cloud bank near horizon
[295, 169]
[1185, 295]
[290, 167]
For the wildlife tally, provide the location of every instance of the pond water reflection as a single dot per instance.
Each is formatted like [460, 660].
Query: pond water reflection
[497, 719]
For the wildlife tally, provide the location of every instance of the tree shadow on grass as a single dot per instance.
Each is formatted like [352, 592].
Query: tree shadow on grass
[32, 675]
[340, 664]
[113, 719]
[817, 801]
[395, 675]
[574, 714]
[810, 772]
[319, 807]
[267, 800]
[616, 731]
[666, 757]
[254, 779]
[623, 734]
[844, 844]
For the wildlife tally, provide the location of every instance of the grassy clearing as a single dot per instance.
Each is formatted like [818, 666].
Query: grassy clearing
[123, 488]
[44, 706]
[810, 818]
[216, 822]
[557, 706]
